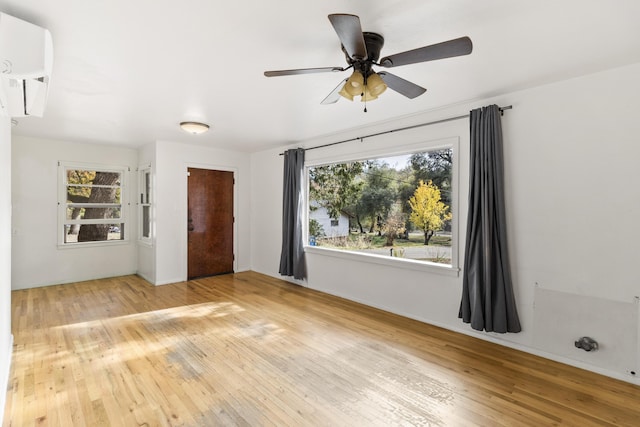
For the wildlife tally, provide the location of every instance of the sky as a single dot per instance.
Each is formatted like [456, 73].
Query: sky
[397, 162]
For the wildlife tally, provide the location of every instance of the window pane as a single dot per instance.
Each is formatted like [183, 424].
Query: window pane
[85, 186]
[147, 186]
[146, 221]
[92, 177]
[394, 206]
[88, 194]
[93, 213]
[74, 233]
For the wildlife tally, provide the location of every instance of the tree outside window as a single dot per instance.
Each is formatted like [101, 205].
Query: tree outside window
[428, 212]
[92, 204]
[398, 206]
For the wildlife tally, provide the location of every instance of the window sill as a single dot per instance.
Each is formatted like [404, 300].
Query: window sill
[400, 263]
[92, 244]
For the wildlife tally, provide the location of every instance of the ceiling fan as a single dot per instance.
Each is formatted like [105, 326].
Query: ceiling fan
[362, 50]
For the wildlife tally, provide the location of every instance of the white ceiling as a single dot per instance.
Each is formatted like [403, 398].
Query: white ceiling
[127, 72]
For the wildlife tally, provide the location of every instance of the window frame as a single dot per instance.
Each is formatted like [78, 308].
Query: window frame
[452, 269]
[145, 201]
[63, 167]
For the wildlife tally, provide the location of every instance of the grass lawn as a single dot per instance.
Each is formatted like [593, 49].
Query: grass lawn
[357, 241]
[365, 242]
[415, 239]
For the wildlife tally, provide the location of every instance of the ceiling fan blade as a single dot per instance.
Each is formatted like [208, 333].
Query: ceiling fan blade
[302, 71]
[448, 49]
[334, 96]
[402, 86]
[350, 34]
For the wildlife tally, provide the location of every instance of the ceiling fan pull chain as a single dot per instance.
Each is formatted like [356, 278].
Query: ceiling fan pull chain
[364, 92]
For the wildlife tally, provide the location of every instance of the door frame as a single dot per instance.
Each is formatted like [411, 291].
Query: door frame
[184, 214]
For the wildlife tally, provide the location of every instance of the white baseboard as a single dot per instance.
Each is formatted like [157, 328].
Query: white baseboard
[4, 380]
[169, 281]
[146, 277]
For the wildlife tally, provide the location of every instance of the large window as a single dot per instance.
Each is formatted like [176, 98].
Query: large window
[91, 207]
[395, 206]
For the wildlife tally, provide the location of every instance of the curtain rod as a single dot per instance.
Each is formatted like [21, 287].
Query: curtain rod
[360, 138]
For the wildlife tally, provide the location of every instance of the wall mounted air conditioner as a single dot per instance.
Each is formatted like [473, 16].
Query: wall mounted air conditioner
[26, 61]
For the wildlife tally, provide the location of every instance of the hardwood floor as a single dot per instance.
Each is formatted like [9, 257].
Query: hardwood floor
[246, 349]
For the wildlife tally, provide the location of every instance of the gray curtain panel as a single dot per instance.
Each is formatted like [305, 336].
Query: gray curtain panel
[487, 302]
[292, 255]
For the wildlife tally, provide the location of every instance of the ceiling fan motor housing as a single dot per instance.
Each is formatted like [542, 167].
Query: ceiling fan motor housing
[374, 43]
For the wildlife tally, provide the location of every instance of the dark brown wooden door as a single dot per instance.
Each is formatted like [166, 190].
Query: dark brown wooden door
[210, 222]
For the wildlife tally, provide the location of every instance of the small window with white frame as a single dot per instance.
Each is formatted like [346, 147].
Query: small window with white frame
[145, 204]
[91, 204]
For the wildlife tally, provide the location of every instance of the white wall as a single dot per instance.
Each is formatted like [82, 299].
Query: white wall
[573, 191]
[36, 258]
[6, 338]
[172, 161]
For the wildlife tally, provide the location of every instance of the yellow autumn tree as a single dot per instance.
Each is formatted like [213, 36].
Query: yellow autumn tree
[428, 213]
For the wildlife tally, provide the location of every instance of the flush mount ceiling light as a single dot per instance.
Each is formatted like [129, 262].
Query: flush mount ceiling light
[194, 128]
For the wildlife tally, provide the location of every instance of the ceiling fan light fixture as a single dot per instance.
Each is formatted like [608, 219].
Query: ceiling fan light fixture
[367, 95]
[354, 85]
[368, 90]
[343, 92]
[194, 128]
[356, 80]
[353, 91]
[375, 85]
